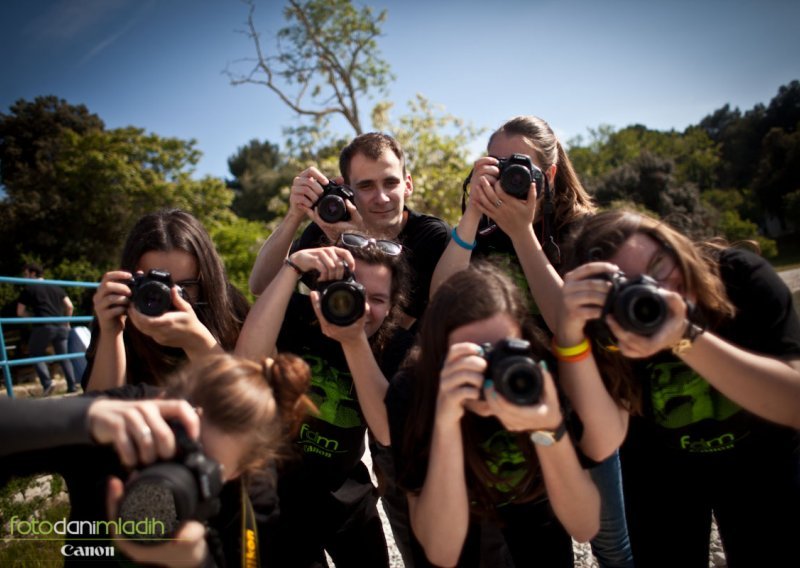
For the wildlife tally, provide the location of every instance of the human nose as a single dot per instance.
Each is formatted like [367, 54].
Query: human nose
[383, 195]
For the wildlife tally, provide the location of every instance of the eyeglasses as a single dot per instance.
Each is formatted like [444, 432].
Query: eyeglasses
[352, 240]
[192, 289]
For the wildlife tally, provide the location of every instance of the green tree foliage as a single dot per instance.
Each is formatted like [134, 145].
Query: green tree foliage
[694, 155]
[73, 194]
[435, 145]
[778, 173]
[325, 62]
[259, 173]
[648, 181]
[237, 241]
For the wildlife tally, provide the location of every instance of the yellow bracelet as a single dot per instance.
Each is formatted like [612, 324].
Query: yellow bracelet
[578, 349]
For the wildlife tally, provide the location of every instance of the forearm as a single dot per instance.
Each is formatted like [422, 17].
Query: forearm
[371, 386]
[273, 251]
[455, 257]
[262, 326]
[570, 489]
[440, 514]
[605, 422]
[29, 425]
[543, 280]
[109, 366]
[765, 386]
[202, 344]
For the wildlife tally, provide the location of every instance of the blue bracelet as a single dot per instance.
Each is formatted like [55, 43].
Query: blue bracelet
[462, 243]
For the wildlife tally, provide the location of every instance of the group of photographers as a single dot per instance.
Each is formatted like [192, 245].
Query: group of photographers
[534, 375]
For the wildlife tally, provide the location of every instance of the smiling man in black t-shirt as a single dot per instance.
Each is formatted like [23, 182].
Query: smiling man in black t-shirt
[373, 166]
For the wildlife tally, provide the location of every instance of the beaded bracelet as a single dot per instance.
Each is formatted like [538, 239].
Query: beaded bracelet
[461, 242]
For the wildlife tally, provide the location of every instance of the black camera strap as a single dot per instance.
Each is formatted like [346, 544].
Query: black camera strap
[250, 553]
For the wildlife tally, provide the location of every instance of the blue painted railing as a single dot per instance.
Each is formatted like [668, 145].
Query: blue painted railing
[4, 361]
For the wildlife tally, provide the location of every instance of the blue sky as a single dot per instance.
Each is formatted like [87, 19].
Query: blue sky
[158, 64]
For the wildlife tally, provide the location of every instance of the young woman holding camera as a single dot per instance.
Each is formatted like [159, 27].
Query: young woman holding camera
[526, 233]
[327, 500]
[128, 346]
[245, 413]
[713, 394]
[489, 482]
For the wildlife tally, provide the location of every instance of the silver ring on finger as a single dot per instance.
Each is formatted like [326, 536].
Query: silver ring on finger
[498, 203]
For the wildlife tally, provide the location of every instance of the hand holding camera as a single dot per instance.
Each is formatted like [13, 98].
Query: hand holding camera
[111, 301]
[174, 498]
[500, 189]
[502, 379]
[163, 312]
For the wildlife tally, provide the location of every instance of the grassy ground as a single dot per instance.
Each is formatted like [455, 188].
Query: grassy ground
[33, 552]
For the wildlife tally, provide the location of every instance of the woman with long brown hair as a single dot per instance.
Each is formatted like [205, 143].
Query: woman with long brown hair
[700, 346]
[472, 462]
[207, 312]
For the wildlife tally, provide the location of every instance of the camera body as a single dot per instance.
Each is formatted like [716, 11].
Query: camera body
[184, 488]
[517, 172]
[342, 302]
[635, 303]
[151, 292]
[331, 204]
[514, 371]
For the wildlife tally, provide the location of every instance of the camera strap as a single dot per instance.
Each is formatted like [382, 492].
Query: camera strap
[250, 553]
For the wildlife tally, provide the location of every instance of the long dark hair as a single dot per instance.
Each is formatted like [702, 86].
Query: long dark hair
[220, 307]
[601, 236]
[570, 200]
[474, 294]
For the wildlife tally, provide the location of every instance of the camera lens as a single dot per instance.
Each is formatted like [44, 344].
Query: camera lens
[342, 303]
[516, 180]
[153, 298]
[332, 209]
[640, 309]
[157, 502]
[519, 380]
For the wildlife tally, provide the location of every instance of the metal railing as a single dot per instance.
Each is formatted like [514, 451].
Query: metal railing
[4, 360]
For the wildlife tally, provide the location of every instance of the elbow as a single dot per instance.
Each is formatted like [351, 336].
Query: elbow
[439, 557]
[587, 531]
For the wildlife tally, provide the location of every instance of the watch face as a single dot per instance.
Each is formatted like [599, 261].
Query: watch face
[543, 438]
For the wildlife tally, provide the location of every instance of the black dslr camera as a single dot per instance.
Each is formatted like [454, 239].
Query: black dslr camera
[514, 371]
[166, 494]
[151, 292]
[635, 303]
[342, 302]
[517, 173]
[331, 204]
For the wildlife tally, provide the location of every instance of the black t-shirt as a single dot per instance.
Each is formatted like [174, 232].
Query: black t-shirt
[682, 410]
[44, 300]
[331, 442]
[533, 520]
[424, 239]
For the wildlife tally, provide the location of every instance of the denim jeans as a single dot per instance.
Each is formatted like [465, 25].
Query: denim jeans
[41, 337]
[611, 546]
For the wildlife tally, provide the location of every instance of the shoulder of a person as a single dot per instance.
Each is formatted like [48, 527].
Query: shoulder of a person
[742, 265]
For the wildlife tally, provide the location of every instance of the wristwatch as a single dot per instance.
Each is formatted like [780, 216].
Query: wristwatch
[549, 437]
